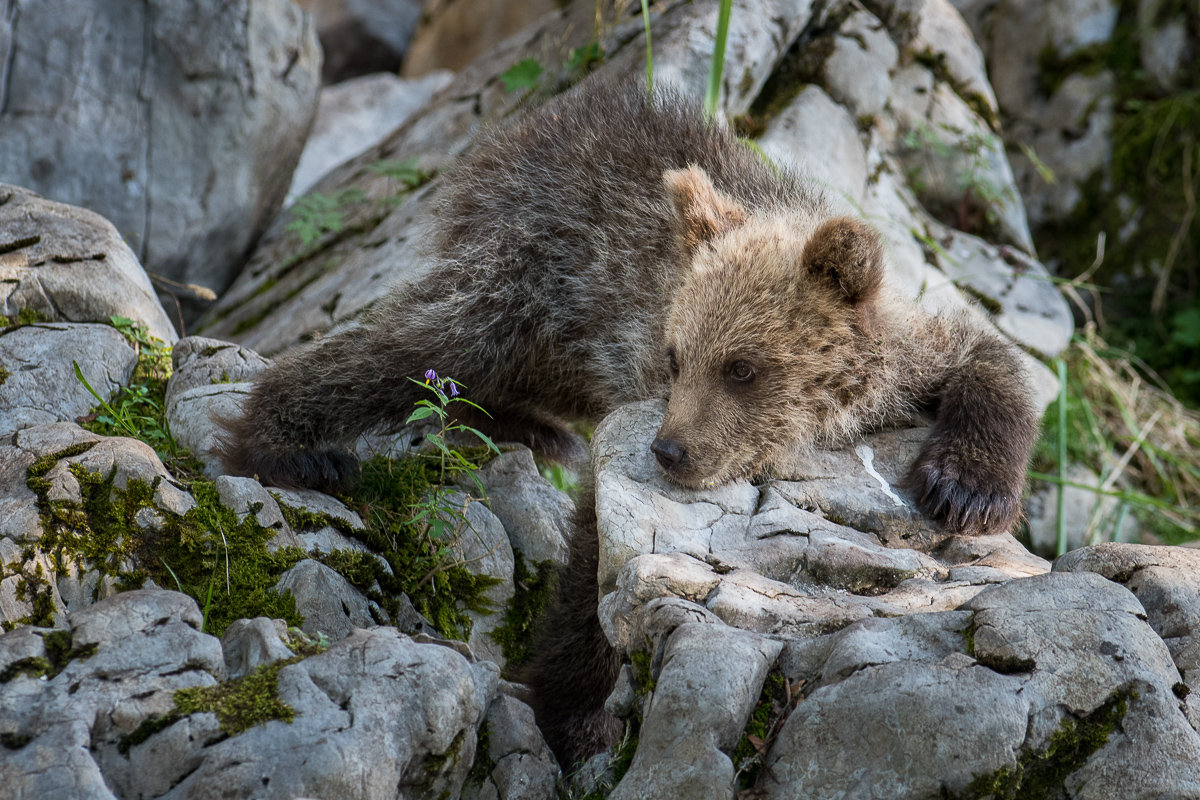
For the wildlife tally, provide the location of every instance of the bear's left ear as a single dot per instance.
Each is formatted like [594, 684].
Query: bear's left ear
[850, 253]
[702, 212]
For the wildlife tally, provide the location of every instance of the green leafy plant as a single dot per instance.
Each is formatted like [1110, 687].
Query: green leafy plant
[582, 59]
[440, 518]
[139, 409]
[316, 214]
[402, 170]
[522, 75]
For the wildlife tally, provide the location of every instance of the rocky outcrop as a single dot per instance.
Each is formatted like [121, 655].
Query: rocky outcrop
[766, 630]
[951, 666]
[132, 700]
[181, 124]
[61, 263]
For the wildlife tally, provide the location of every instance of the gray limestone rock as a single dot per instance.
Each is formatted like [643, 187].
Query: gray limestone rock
[934, 703]
[71, 265]
[708, 685]
[355, 114]
[122, 664]
[245, 496]
[251, 643]
[820, 137]
[197, 361]
[19, 517]
[524, 767]
[829, 543]
[180, 123]
[483, 548]
[40, 386]
[326, 600]
[375, 715]
[192, 414]
[536, 516]
[857, 73]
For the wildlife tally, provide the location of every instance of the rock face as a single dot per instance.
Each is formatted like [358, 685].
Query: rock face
[71, 265]
[768, 629]
[355, 114]
[179, 123]
[107, 722]
[951, 666]
[864, 146]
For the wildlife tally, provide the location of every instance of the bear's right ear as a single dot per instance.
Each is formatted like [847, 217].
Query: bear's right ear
[849, 252]
[702, 212]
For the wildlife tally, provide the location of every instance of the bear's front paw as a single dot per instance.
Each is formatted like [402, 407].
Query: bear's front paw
[966, 492]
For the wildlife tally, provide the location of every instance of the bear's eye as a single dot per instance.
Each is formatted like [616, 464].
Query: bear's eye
[673, 363]
[741, 371]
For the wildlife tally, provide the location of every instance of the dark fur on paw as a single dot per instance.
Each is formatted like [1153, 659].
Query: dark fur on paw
[966, 495]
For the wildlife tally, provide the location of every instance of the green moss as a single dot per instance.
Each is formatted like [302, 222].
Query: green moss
[1181, 690]
[150, 726]
[190, 553]
[773, 705]
[968, 634]
[643, 675]
[1041, 774]
[422, 568]
[60, 651]
[533, 592]
[242, 703]
[25, 316]
[483, 766]
[31, 667]
[239, 705]
[4, 375]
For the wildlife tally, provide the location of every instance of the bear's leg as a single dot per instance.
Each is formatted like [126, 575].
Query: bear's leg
[575, 667]
[545, 435]
[971, 471]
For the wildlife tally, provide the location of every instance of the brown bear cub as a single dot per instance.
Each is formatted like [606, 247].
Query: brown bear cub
[613, 247]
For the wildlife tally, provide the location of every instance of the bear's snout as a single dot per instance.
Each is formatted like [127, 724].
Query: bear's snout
[670, 453]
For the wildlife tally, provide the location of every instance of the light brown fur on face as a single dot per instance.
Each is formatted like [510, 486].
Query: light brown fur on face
[794, 299]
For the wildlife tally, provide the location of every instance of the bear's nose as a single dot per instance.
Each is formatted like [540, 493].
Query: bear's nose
[668, 452]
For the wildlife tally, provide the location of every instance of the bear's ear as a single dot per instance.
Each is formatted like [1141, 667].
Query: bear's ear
[849, 252]
[702, 212]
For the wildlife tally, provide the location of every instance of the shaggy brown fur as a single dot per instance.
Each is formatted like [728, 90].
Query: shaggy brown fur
[574, 667]
[611, 248]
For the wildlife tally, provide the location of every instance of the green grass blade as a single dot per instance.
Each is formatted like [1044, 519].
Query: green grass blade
[649, 54]
[1061, 546]
[718, 60]
[120, 420]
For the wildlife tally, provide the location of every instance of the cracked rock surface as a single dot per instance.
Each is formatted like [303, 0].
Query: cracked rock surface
[197, 112]
[373, 714]
[944, 664]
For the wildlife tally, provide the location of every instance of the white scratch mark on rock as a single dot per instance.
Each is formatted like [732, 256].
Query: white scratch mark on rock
[867, 455]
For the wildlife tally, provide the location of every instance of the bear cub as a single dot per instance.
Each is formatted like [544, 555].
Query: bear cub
[612, 247]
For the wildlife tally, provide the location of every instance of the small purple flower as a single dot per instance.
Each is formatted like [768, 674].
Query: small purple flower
[430, 375]
[453, 389]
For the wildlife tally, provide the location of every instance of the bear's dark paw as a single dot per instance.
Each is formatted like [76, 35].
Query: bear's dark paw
[327, 470]
[965, 496]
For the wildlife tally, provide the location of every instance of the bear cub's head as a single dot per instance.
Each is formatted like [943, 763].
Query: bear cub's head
[772, 336]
